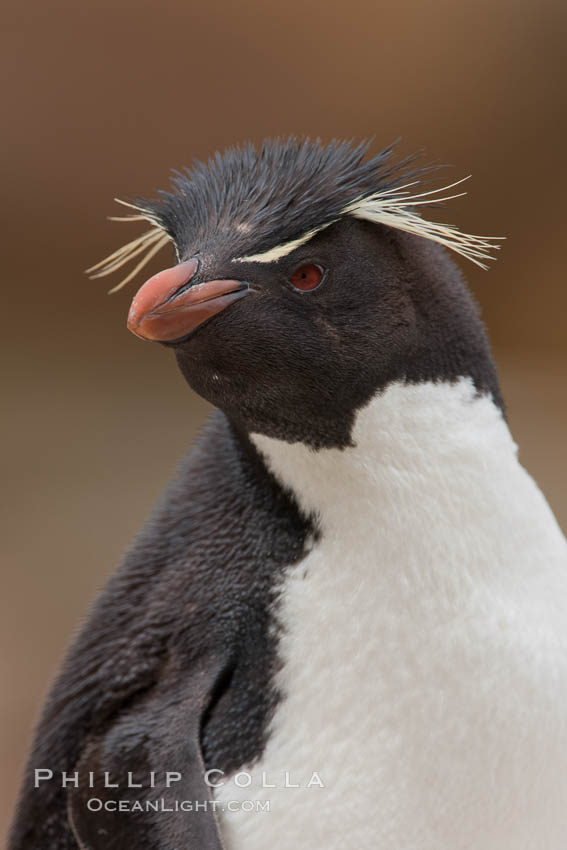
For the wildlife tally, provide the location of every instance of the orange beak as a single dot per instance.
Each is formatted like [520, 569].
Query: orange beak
[166, 309]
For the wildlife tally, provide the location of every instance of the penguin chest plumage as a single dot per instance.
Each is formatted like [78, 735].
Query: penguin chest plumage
[422, 642]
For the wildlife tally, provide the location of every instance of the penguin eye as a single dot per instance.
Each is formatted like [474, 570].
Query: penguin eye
[307, 277]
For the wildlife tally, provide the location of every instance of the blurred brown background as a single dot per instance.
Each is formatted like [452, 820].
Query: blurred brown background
[101, 99]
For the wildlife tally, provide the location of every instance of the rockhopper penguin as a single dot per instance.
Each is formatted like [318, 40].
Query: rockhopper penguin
[351, 602]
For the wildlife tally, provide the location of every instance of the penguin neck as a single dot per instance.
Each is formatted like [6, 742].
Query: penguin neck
[430, 440]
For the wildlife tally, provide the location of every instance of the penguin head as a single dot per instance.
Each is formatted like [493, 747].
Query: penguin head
[306, 282]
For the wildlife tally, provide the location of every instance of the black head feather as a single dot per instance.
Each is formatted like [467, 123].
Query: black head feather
[391, 307]
[249, 201]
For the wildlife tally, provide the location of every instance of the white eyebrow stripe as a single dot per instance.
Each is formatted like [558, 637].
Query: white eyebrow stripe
[282, 250]
[148, 244]
[394, 208]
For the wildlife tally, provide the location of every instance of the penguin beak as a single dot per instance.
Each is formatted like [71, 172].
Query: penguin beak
[166, 308]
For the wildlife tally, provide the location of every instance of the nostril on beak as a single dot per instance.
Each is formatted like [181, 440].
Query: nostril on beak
[159, 289]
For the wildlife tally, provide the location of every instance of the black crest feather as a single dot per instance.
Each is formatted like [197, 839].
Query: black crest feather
[252, 200]
[247, 202]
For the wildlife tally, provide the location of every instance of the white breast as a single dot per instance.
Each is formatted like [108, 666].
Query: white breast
[424, 643]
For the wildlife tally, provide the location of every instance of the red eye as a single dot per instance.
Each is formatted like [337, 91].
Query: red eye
[307, 277]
